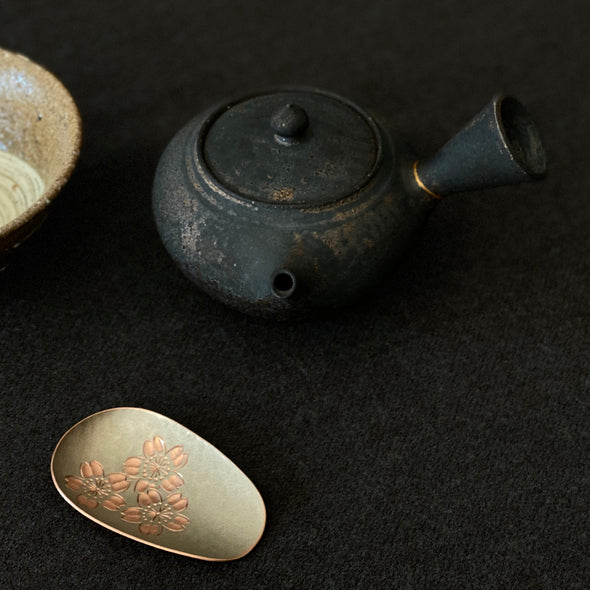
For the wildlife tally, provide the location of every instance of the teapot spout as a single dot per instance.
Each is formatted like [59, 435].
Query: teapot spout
[501, 145]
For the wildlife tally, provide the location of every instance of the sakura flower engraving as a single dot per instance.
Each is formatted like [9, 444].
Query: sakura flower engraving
[155, 471]
[158, 466]
[154, 513]
[95, 488]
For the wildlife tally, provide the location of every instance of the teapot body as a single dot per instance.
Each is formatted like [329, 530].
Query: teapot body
[282, 257]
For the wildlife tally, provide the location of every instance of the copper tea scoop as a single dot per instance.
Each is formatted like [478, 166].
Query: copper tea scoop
[145, 476]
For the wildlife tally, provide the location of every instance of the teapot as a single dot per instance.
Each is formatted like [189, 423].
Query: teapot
[292, 202]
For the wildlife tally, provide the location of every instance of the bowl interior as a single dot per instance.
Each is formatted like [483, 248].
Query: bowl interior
[39, 139]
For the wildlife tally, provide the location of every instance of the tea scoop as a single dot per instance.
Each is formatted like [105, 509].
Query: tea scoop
[147, 477]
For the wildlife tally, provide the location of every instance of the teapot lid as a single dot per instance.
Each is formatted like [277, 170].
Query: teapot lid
[291, 147]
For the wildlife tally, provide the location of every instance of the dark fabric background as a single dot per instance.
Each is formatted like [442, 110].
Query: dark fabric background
[436, 435]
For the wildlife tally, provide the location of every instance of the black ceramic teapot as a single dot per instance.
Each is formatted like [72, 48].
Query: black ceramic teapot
[289, 202]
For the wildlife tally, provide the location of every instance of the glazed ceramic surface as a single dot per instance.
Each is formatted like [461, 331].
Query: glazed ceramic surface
[142, 475]
[40, 135]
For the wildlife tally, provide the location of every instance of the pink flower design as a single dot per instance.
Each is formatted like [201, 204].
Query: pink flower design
[157, 468]
[97, 488]
[153, 513]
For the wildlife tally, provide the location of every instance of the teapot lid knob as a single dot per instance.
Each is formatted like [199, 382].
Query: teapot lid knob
[289, 122]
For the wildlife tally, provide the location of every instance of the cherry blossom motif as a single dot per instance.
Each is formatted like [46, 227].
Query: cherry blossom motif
[154, 514]
[157, 468]
[97, 488]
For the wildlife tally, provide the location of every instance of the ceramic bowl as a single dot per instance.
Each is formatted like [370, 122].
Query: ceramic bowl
[40, 135]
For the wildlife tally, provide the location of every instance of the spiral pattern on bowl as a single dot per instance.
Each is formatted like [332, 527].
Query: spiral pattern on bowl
[20, 187]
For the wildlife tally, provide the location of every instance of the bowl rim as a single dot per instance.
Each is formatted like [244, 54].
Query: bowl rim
[72, 155]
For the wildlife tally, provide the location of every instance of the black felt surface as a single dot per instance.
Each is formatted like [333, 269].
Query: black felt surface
[433, 436]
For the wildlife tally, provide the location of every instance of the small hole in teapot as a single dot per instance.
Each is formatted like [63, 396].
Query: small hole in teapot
[283, 283]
